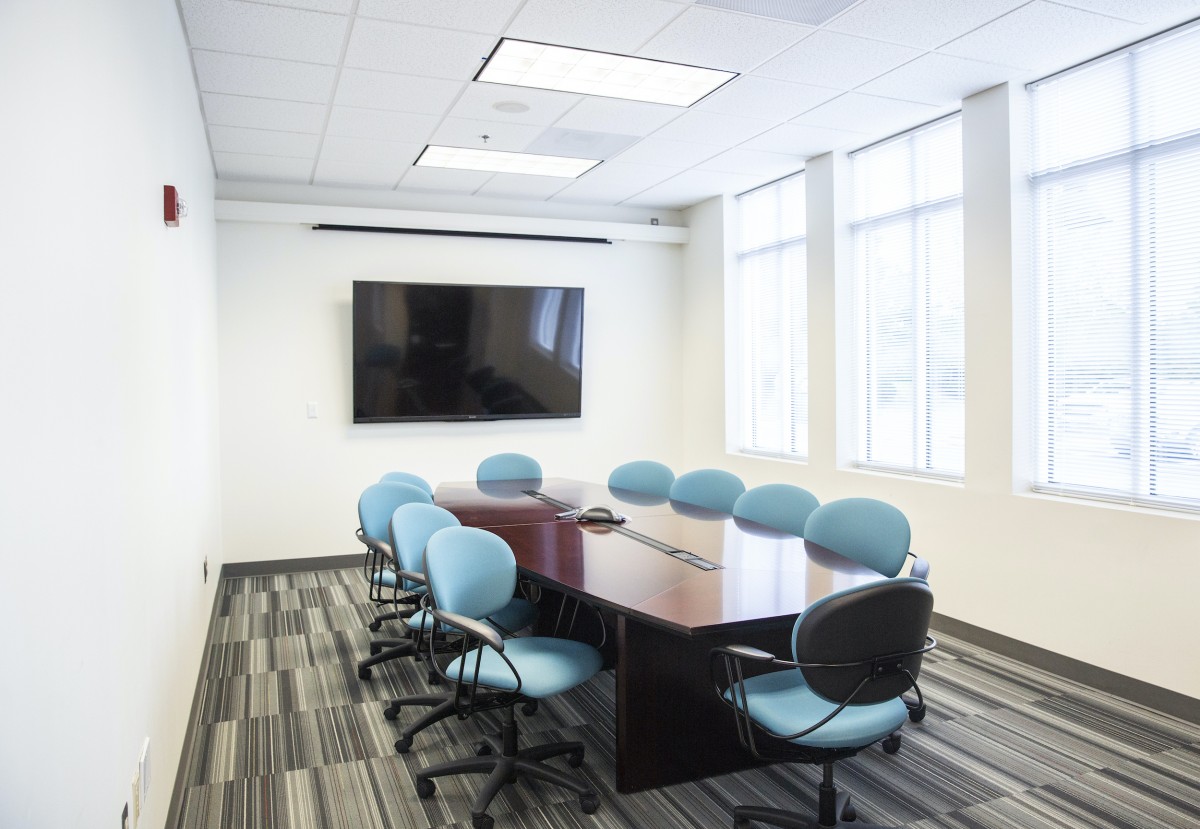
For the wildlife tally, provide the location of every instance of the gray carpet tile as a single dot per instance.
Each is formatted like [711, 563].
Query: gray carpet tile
[288, 737]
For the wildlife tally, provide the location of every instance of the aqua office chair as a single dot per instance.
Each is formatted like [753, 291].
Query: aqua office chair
[407, 478]
[508, 466]
[412, 527]
[713, 489]
[873, 533]
[782, 507]
[375, 507]
[854, 654]
[650, 477]
[471, 575]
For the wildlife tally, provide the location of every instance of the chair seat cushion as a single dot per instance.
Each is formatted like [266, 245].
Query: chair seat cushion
[516, 615]
[387, 578]
[547, 666]
[782, 703]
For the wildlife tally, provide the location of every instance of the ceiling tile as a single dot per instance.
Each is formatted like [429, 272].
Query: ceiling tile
[544, 107]
[1042, 37]
[239, 167]
[263, 77]
[691, 187]
[331, 173]
[722, 40]
[513, 186]
[677, 154]
[444, 180]
[631, 117]
[813, 12]
[265, 31]
[753, 97]
[370, 151]
[923, 23]
[867, 114]
[263, 142]
[755, 162]
[713, 128]
[579, 143]
[417, 50]
[466, 132]
[619, 26]
[334, 6]
[355, 122]
[836, 60]
[404, 93]
[937, 79]
[263, 113]
[803, 141]
[1143, 11]
[488, 16]
[613, 182]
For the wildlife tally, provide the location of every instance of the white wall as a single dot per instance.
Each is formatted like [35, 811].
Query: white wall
[291, 484]
[1110, 586]
[108, 468]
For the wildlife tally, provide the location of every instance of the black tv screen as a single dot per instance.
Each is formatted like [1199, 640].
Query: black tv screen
[466, 352]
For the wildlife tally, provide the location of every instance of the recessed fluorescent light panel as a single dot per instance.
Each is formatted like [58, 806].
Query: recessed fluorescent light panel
[495, 161]
[538, 65]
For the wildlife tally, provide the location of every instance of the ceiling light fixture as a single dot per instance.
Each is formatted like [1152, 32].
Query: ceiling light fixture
[541, 66]
[495, 161]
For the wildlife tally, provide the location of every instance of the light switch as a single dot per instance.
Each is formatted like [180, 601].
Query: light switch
[312, 410]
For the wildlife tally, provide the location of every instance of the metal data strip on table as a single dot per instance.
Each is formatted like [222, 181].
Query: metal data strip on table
[674, 552]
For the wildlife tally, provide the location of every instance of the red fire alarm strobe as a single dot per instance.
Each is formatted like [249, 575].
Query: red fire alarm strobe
[173, 206]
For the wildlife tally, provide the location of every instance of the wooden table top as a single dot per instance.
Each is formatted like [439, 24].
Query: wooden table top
[764, 575]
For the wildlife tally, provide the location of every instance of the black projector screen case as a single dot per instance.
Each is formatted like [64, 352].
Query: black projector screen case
[427, 351]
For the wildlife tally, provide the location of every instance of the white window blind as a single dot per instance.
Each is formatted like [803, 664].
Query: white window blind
[908, 265]
[773, 273]
[1116, 265]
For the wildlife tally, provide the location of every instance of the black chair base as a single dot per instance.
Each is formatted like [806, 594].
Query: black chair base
[502, 761]
[833, 809]
[385, 650]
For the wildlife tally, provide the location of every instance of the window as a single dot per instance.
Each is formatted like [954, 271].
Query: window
[773, 287]
[1116, 229]
[908, 269]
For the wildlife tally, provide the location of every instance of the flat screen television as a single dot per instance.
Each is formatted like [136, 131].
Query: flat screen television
[466, 352]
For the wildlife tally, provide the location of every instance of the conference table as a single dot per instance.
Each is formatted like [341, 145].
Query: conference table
[673, 581]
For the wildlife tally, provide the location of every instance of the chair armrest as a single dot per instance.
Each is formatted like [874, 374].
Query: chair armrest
[471, 627]
[744, 652]
[920, 567]
[412, 575]
[375, 544]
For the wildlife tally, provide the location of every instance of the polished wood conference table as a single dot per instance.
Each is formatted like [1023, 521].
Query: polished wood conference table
[677, 580]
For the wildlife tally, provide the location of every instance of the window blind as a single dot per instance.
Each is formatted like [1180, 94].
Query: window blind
[1115, 151]
[908, 265]
[773, 287]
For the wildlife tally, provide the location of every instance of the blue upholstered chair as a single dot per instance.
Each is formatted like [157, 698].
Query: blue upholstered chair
[780, 506]
[412, 527]
[472, 574]
[713, 489]
[407, 478]
[649, 477]
[871, 532]
[508, 466]
[375, 507]
[854, 654]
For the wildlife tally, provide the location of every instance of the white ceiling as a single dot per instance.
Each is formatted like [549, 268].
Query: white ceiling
[346, 93]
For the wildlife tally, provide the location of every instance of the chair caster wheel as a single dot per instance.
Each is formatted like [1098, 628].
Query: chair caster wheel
[375, 649]
[575, 760]
[402, 747]
[391, 712]
[425, 788]
[589, 804]
[364, 673]
[916, 714]
[530, 708]
[891, 744]
[849, 814]
[483, 750]
[433, 678]
[484, 821]
[375, 626]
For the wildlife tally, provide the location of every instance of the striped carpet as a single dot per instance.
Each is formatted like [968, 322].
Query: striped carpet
[288, 737]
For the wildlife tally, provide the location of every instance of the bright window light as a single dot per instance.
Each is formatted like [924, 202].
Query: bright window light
[495, 161]
[537, 65]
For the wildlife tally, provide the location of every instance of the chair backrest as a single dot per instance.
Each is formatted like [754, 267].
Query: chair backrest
[711, 488]
[508, 466]
[871, 532]
[412, 527]
[471, 571]
[407, 478]
[881, 618]
[782, 506]
[651, 477]
[379, 501]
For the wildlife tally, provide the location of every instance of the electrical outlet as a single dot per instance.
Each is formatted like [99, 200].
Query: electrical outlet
[144, 772]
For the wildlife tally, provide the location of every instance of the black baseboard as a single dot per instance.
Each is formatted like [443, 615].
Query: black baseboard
[1135, 690]
[241, 569]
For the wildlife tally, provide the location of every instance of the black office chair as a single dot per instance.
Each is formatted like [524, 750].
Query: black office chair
[854, 654]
